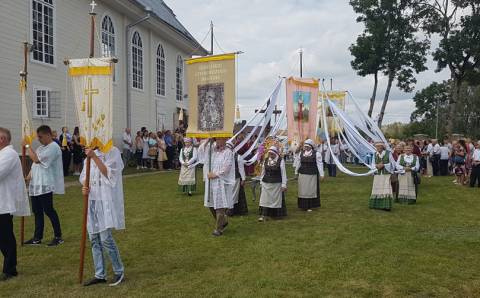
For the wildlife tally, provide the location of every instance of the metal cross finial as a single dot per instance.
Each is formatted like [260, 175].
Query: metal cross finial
[92, 5]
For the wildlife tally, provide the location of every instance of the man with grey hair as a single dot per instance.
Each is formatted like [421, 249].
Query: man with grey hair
[14, 201]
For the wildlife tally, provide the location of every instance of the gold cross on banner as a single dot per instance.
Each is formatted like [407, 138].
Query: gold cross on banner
[89, 92]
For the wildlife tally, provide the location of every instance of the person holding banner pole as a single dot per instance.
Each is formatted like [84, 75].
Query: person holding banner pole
[105, 211]
[219, 177]
[46, 179]
[309, 166]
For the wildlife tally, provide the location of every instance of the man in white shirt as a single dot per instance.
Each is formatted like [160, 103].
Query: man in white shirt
[444, 158]
[46, 179]
[331, 165]
[127, 146]
[475, 166]
[434, 153]
[13, 201]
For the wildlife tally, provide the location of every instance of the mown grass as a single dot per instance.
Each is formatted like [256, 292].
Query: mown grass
[342, 250]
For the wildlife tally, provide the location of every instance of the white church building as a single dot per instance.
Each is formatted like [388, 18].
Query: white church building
[145, 33]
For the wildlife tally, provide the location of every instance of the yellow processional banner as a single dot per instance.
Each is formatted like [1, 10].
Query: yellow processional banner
[92, 86]
[338, 98]
[27, 131]
[211, 92]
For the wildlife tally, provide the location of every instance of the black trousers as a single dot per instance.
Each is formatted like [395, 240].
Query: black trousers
[443, 167]
[44, 204]
[170, 151]
[475, 176]
[435, 165]
[332, 170]
[8, 244]
[66, 158]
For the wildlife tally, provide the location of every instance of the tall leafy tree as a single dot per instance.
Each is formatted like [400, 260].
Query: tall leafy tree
[394, 23]
[457, 22]
[368, 60]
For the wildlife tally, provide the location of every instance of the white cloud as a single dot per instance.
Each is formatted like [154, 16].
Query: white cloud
[270, 32]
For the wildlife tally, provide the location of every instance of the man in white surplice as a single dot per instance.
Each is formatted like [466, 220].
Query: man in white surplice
[46, 179]
[13, 202]
[219, 180]
[105, 211]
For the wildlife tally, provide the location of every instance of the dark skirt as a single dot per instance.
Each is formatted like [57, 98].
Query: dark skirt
[310, 203]
[77, 154]
[274, 212]
[306, 204]
[241, 207]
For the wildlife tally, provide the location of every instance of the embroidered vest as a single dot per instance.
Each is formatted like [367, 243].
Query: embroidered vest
[412, 164]
[308, 164]
[384, 160]
[273, 174]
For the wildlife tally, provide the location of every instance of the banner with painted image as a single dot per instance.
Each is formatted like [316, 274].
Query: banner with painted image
[302, 101]
[211, 90]
[338, 98]
[92, 89]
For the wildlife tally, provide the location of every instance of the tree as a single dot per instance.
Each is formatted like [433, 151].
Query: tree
[436, 99]
[431, 107]
[368, 60]
[459, 47]
[392, 26]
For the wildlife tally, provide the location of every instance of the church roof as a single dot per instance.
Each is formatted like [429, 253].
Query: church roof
[165, 14]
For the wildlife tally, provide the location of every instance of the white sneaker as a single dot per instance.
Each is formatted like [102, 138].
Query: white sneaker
[261, 219]
[309, 210]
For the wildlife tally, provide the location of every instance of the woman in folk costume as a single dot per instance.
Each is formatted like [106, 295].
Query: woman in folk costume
[239, 199]
[408, 165]
[274, 185]
[105, 211]
[219, 177]
[309, 166]
[13, 202]
[188, 156]
[382, 195]
[397, 151]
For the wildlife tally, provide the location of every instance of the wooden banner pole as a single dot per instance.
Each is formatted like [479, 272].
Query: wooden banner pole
[88, 162]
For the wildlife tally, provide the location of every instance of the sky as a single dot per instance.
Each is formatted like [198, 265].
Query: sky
[271, 32]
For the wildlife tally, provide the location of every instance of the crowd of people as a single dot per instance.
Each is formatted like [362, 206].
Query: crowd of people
[399, 167]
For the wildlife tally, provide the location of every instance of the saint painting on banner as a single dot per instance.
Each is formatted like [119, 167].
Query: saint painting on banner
[210, 107]
[301, 106]
[211, 89]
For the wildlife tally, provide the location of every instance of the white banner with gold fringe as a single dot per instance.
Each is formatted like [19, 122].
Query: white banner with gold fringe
[92, 86]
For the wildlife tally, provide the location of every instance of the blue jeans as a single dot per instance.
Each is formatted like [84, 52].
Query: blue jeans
[100, 242]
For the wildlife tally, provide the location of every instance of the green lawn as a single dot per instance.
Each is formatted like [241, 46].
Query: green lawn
[342, 250]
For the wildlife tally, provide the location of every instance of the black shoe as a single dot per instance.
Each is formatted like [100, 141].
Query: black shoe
[33, 241]
[6, 276]
[55, 242]
[94, 281]
[118, 279]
